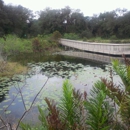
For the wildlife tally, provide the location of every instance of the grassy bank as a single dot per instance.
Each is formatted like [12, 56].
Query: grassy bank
[8, 69]
[13, 45]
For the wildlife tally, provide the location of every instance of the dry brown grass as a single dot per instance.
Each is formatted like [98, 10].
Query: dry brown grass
[10, 68]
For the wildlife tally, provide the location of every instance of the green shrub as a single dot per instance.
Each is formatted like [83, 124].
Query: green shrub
[56, 36]
[36, 45]
[13, 44]
[100, 113]
[86, 34]
[84, 39]
[71, 36]
[113, 37]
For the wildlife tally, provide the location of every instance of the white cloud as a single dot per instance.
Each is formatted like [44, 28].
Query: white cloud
[88, 7]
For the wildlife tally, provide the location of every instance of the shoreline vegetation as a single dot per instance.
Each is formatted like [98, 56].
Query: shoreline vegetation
[39, 45]
[42, 44]
[14, 45]
[8, 69]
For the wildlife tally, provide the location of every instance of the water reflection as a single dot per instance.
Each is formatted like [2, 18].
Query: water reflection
[3, 91]
[91, 56]
[2, 97]
[62, 56]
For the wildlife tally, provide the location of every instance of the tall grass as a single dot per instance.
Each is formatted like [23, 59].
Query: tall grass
[13, 44]
[8, 69]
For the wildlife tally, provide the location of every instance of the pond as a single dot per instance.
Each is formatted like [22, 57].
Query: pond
[82, 74]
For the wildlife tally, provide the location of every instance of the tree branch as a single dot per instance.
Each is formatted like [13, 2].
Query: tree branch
[2, 121]
[31, 104]
[13, 99]
[19, 90]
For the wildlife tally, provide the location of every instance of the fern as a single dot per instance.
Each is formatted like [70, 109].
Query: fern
[99, 111]
[121, 97]
[70, 113]
[124, 72]
[67, 105]
[42, 118]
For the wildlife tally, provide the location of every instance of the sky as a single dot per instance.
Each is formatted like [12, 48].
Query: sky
[87, 7]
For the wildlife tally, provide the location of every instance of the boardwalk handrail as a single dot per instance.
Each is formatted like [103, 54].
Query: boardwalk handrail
[106, 48]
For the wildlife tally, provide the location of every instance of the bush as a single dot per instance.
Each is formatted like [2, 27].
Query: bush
[86, 34]
[56, 36]
[15, 45]
[36, 45]
[71, 36]
[113, 37]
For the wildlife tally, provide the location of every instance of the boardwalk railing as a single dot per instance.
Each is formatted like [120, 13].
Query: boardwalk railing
[105, 48]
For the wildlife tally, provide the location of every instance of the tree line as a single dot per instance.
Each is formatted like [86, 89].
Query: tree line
[22, 22]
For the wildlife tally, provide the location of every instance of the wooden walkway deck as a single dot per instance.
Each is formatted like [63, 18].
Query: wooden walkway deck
[103, 48]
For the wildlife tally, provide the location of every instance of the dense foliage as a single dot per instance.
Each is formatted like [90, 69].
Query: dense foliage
[22, 22]
[16, 45]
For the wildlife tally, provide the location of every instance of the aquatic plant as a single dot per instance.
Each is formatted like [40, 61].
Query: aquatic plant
[62, 69]
[106, 108]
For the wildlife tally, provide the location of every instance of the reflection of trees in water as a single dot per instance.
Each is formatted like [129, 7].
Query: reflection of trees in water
[2, 96]
[25, 58]
[11, 119]
[95, 58]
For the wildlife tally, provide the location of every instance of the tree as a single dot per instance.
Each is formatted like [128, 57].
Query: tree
[14, 19]
[50, 21]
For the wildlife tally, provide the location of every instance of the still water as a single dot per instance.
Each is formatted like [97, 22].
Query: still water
[17, 93]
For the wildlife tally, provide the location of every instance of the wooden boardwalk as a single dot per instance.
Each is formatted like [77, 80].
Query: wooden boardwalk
[103, 48]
